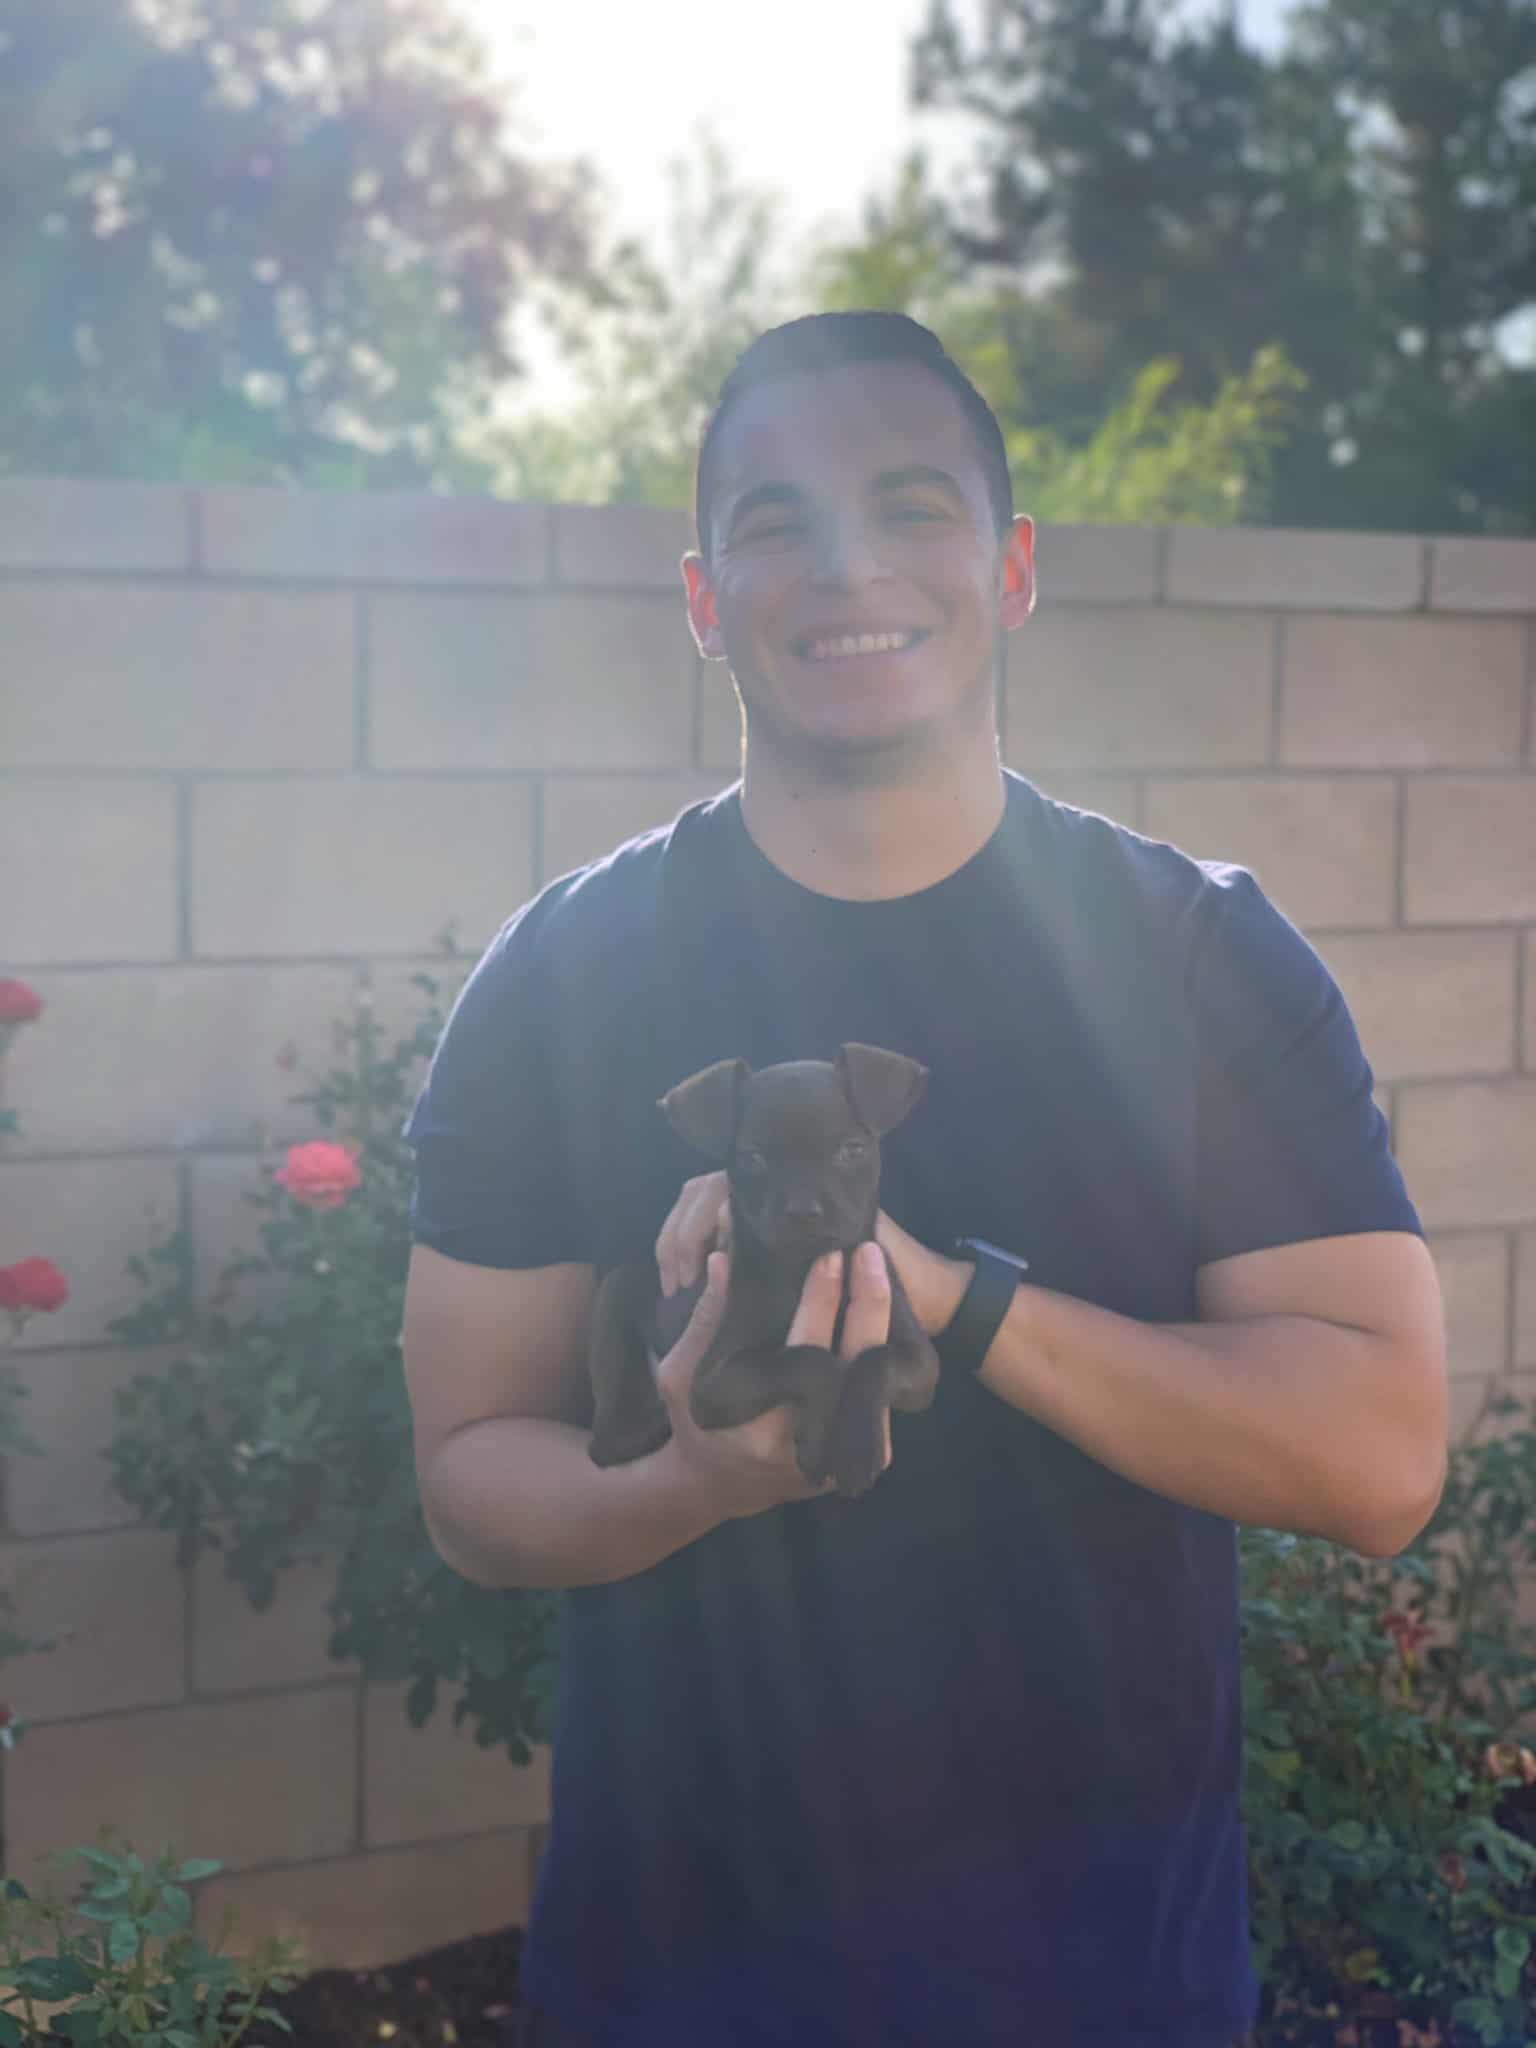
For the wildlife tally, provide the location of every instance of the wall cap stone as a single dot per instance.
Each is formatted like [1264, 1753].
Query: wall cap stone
[55, 522]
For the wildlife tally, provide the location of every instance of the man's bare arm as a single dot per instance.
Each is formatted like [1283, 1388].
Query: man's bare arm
[1311, 1396]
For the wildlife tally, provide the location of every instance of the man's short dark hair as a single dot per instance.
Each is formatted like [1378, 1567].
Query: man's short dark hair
[826, 341]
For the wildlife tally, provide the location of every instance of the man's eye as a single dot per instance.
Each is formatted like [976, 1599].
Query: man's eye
[914, 512]
[775, 532]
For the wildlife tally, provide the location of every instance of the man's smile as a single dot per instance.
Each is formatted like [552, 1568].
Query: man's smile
[853, 646]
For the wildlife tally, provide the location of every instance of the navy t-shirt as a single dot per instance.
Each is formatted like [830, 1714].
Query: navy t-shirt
[957, 1762]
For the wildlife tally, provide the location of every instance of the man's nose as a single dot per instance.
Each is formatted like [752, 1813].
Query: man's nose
[847, 554]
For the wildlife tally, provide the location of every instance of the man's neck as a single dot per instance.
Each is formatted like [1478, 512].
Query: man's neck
[866, 839]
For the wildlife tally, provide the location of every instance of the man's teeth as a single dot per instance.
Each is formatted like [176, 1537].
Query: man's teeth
[859, 643]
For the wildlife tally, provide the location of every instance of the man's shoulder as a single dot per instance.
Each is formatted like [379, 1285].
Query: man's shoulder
[591, 914]
[1099, 863]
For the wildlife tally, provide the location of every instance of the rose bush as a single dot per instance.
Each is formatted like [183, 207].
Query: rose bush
[281, 1431]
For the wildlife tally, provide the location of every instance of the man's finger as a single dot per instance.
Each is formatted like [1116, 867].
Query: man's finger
[675, 1371]
[816, 1316]
[868, 1320]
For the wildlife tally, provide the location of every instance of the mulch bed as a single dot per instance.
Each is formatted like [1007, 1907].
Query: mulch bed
[463, 1994]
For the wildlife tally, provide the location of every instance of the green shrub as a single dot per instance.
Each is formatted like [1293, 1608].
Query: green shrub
[134, 1972]
[281, 1432]
[1384, 1701]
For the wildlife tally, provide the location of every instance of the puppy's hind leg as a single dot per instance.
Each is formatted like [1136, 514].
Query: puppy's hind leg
[630, 1419]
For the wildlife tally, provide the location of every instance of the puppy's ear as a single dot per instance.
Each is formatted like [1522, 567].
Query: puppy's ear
[883, 1087]
[706, 1108]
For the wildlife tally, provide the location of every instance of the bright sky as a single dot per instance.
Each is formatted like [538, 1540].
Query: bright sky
[808, 96]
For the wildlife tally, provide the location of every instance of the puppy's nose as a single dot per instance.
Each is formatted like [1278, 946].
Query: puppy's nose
[803, 1208]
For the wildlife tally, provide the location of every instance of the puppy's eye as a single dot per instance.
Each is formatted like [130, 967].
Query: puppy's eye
[850, 1151]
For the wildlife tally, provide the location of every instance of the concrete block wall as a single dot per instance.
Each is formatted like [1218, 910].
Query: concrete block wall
[257, 750]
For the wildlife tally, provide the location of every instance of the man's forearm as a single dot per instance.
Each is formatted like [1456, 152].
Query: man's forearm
[1288, 1422]
[516, 1501]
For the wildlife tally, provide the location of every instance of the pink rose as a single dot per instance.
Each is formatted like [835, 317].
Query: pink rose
[18, 1003]
[320, 1174]
[32, 1287]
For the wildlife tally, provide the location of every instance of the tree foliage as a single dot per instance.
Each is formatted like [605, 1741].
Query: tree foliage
[263, 238]
[1365, 199]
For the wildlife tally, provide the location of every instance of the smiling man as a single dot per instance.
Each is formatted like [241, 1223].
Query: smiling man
[955, 1764]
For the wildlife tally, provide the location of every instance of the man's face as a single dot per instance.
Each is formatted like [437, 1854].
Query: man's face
[856, 580]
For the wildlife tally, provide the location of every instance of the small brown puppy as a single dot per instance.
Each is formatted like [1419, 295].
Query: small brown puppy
[801, 1145]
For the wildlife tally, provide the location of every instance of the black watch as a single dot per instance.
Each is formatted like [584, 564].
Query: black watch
[967, 1337]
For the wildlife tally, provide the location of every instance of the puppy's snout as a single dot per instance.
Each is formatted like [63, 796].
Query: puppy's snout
[804, 1206]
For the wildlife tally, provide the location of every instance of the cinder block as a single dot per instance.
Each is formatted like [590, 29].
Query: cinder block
[373, 537]
[1402, 693]
[1429, 1003]
[270, 1779]
[173, 1056]
[555, 680]
[225, 1225]
[719, 721]
[1525, 1301]
[1528, 1032]
[90, 867]
[1322, 846]
[69, 1410]
[117, 1601]
[421, 1783]
[362, 1912]
[1468, 1151]
[1110, 796]
[1296, 570]
[1477, 575]
[1466, 1403]
[1142, 687]
[1474, 1282]
[587, 816]
[1469, 849]
[1083, 564]
[622, 547]
[367, 864]
[62, 523]
[235, 1649]
[89, 1216]
[142, 675]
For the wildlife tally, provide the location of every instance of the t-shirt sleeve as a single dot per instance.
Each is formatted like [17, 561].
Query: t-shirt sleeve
[1291, 1144]
[495, 1181]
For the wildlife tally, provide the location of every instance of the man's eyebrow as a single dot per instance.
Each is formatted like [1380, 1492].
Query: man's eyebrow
[919, 473]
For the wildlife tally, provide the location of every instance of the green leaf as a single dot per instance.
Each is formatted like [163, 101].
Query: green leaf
[198, 1868]
[123, 1940]
[1348, 1835]
[53, 1977]
[10, 2032]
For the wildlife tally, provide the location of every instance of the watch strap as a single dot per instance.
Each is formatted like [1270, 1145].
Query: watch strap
[967, 1337]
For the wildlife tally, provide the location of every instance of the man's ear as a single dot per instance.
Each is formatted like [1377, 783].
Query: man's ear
[1017, 599]
[705, 1110]
[702, 616]
[883, 1087]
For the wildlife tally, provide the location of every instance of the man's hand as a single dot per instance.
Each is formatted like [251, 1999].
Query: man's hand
[745, 1469]
[701, 1218]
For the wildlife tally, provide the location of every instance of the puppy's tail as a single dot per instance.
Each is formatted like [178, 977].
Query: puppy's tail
[856, 1442]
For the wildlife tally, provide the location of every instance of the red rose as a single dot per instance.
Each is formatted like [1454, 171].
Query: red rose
[1407, 1631]
[321, 1175]
[18, 1003]
[32, 1286]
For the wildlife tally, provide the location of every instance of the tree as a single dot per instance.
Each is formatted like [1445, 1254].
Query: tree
[1193, 199]
[649, 366]
[265, 238]
[648, 360]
